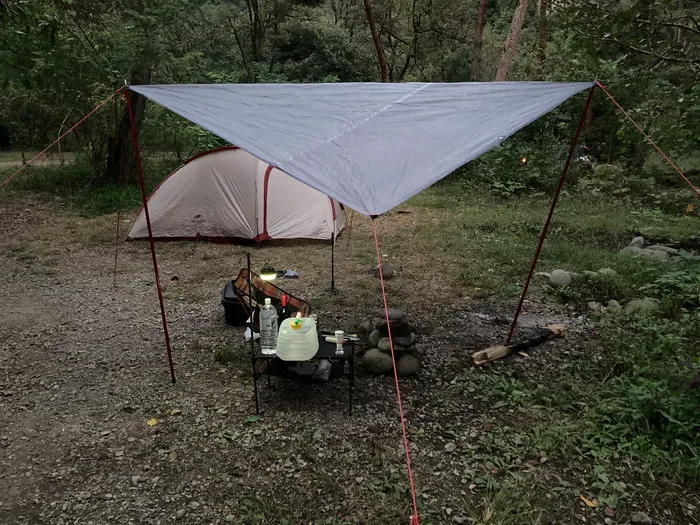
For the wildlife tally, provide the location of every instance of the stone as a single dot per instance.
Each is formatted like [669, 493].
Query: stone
[646, 252]
[642, 518]
[594, 306]
[607, 271]
[417, 349]
[387, 271]
[450, 447]
[395, 314]
[365, 327]
[384, 345]
[646, 305]
[633, 250]
[135, 479]
[637, 242]
[406, 340]
[659, 254]
[400, 327]
[373, 338]
[180, 514]
[662, 248]
[560, 278]
[545, 275]
[407, 365]
[377, 362]
[614, 306]
[194, 505]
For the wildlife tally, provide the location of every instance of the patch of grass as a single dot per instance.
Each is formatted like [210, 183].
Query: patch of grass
[225, 355]
[78, 183]
[633, 404]
[488, 242]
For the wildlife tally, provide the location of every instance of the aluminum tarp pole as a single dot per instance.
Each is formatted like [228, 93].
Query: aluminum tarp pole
[545, 227]
[144, 198]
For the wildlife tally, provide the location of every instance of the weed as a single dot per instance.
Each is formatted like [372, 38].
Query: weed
[225, 355]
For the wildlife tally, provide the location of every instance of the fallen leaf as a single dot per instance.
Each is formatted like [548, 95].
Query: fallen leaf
[589, 503]
[610, 513]
[252, 419]
[152, 422]
[690, 208]
[175, 412]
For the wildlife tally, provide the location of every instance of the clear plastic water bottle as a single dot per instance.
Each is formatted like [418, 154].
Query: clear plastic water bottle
[268, 329]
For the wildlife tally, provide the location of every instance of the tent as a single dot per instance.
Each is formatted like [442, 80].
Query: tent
[227, 193]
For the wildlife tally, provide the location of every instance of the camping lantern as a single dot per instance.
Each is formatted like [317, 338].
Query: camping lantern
[267, 273]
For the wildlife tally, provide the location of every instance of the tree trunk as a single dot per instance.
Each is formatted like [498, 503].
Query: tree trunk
[511, 43]
[542, 34]
[255, 28]
[476, 74]
[384, 75]
[121, 161]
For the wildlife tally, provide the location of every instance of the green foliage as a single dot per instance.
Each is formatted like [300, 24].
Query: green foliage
[633, 405]
[77, 184]
[680, 289]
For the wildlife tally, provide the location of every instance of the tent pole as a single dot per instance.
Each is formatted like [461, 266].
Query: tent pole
[545, 227]
[116, 251]
[333, 262]
[144, 198]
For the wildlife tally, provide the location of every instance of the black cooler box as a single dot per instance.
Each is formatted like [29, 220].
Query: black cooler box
[234, 312]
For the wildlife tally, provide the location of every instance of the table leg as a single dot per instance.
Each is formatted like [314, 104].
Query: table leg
[255, 388]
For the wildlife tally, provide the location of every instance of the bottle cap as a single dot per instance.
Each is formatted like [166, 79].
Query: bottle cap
[268, 301]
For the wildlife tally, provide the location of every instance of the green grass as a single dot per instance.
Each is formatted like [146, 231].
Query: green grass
[80, 186]
[491, 241]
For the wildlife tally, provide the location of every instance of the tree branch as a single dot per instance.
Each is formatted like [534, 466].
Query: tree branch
[656, 55]
[240, 46]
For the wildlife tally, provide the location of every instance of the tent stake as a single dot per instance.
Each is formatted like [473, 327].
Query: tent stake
[545, 227]
[144, 198]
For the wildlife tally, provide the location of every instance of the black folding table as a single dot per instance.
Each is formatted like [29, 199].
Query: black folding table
[271, 365]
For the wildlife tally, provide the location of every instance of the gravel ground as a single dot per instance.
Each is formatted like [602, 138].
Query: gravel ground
[83, 370]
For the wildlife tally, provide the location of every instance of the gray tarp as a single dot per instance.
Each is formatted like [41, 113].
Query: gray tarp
[370, 146]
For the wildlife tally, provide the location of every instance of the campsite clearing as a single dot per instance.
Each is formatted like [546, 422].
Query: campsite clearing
[83, 375]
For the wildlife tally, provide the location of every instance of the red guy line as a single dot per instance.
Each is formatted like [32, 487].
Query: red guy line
[670, 162]
[63, 135]
[414, 518]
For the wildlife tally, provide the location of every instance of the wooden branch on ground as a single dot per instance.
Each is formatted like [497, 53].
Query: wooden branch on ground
[500, 351]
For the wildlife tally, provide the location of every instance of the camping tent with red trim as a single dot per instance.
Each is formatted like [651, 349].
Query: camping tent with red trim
[227, 194]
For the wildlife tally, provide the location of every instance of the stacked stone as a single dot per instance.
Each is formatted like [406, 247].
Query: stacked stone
[377, 360]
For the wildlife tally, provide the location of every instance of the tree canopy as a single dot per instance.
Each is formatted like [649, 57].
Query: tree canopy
[58, 58]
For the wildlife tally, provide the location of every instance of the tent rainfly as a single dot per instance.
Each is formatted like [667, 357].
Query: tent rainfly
[227, 193]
